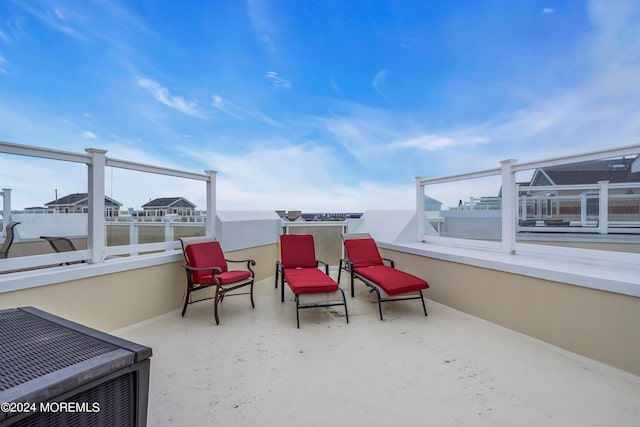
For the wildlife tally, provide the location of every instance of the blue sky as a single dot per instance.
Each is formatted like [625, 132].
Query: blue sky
[315, 105]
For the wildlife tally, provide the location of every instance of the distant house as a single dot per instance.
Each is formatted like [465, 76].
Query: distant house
[549, 203]
[168, 206]
[79, 203]
[619, 170]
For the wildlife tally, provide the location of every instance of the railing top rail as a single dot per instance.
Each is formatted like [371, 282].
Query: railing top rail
[68, 156]
[125, 164]
[460, 177]
[45, 153]
[561, 160]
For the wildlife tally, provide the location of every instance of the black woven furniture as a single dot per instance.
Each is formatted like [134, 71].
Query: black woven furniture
[57, 372]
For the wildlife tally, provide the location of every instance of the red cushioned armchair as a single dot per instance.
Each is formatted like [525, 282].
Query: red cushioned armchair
[206, 266]
[363, 261]
[298, 267]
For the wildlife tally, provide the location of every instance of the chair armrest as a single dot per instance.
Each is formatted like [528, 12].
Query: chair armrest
[326, 266]
[249, 262]
[214, 270]
[390, 261]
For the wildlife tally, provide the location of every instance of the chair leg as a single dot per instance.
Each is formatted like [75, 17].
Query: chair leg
[282, 286]
[423, 304]
[215, 304]
[344, 299]
[352, 288]
[339, 270]
[186, 302]
[253, 305]
[379, 302]
[298, 311]
[277, 271]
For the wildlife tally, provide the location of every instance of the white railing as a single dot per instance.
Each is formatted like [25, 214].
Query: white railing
[510, 200]
[96, 162]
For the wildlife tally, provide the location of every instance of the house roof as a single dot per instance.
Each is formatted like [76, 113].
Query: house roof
[165, 202]
[79, 199]
[613, 170]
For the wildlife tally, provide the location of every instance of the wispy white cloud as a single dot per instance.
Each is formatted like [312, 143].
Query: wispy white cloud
[304, 180]
[379, 80]
[233, 110]
[56, 18]
[548, 10]
[262, 21]
[161, 94]
[3, 62]
[428, 142]
[89, 135]
[276, 80]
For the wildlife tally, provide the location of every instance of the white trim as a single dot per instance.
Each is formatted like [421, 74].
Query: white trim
[50, 276]
[618, 276]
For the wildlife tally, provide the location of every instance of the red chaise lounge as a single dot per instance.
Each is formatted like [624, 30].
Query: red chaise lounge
[363, 261]
[299, 268]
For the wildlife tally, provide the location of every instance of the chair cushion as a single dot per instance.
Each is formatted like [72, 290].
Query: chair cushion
[297, 251]
[362, 252]
[202, 255]
[232, 276]
[392, 281]
[225, 278]
[309, 280]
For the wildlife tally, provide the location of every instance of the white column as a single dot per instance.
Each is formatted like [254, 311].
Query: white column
[420, 208]
[583, 209]
[134, 229]
[603, 208]
[508, 206]
[210, 225]
[6, 207]
[96, 235]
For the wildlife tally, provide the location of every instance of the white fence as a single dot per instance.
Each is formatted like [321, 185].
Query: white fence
[514, 205]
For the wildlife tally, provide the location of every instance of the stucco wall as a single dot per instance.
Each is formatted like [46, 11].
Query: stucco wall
[598, 324]
[112, 301]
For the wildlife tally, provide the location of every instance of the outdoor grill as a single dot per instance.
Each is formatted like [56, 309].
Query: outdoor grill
[57, 372]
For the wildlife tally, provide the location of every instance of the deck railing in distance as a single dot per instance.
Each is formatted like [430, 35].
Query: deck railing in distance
[599, 208]
[96, 162]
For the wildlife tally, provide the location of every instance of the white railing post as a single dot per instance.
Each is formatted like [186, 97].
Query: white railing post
[509, 206]
[523, 203]
[210, 224]
[168, 231]
[96, 235]
[6, 207]
[420, 208]
[603, 208]
[133, 235]
[583, 209]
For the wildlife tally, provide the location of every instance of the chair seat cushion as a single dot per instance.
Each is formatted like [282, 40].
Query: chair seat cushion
[392, 281]
[226, 277]
[309, 280]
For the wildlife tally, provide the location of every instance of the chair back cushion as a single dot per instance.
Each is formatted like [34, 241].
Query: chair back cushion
[204, 255]
[297, 251]
[362, 252]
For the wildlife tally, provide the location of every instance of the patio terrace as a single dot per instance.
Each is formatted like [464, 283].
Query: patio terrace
[449, 368]
[516, 334]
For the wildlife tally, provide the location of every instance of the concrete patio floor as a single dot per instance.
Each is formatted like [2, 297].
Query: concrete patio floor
[257, 369]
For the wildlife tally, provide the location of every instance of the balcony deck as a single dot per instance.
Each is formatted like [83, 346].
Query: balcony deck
[449, 368]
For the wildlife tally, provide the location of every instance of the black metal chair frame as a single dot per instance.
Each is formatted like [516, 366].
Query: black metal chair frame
[221, 290]
[347, 266]
[280, 273]
[8, 240]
